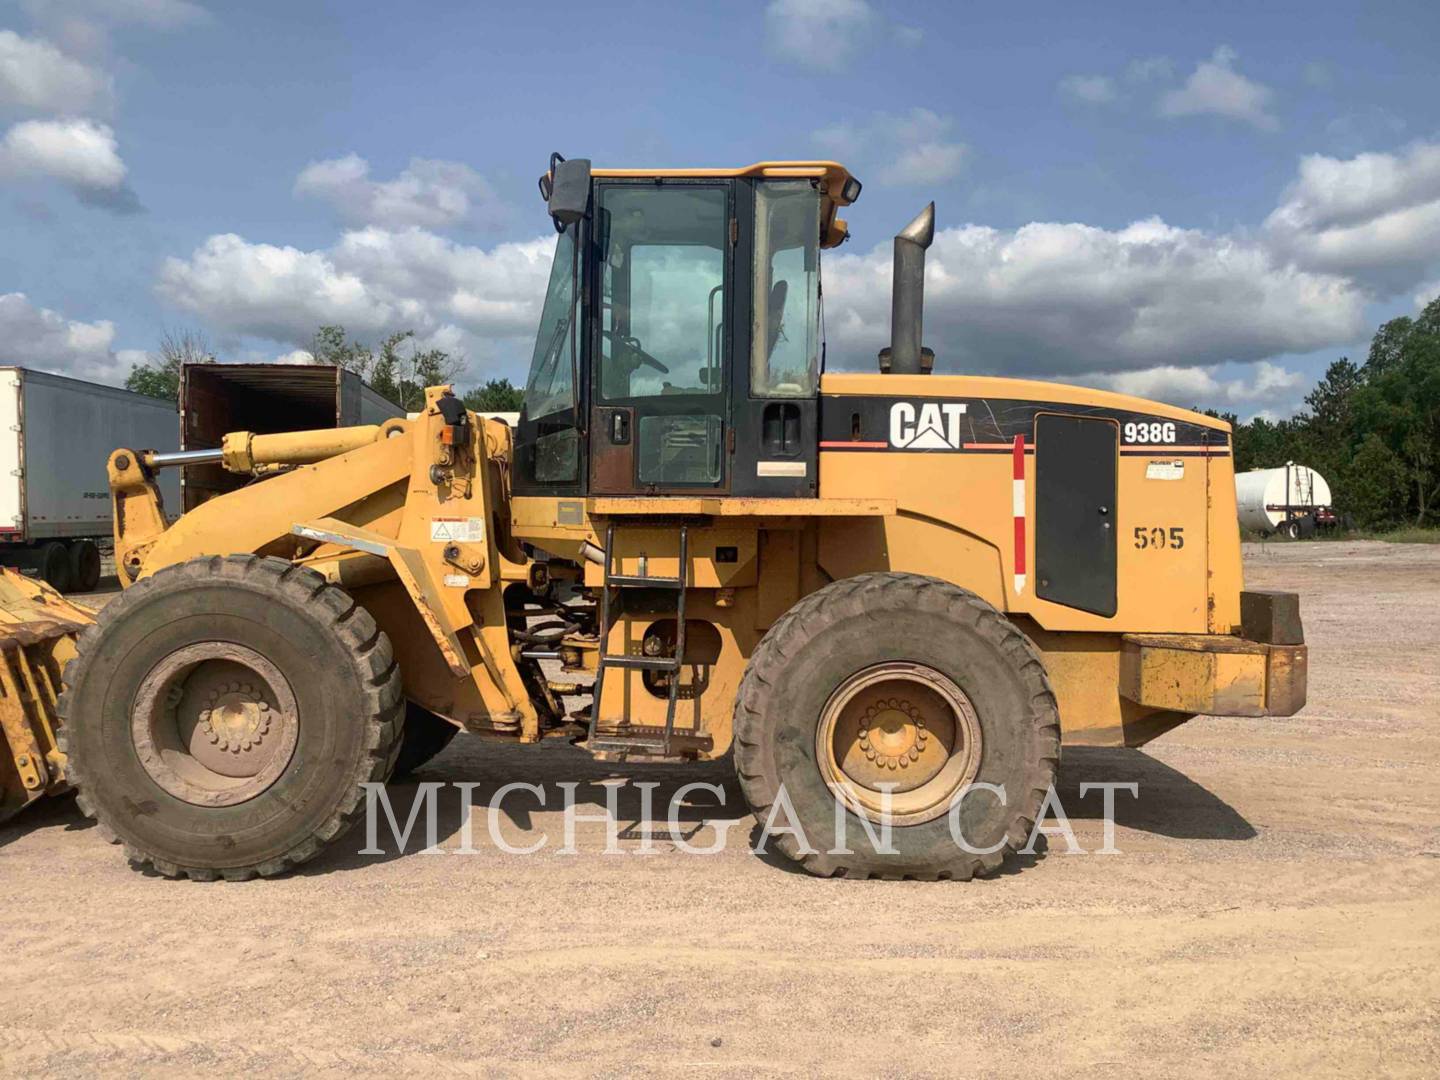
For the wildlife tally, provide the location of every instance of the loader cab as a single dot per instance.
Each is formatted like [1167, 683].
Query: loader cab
[680, 342]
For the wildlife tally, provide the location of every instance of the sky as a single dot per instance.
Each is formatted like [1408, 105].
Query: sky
[1202, 203]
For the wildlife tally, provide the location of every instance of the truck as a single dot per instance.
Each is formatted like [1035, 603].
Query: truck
[1292, 501]
[266, 399]
[55, 433]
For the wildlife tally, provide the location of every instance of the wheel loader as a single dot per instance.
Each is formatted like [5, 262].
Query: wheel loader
[889, 597]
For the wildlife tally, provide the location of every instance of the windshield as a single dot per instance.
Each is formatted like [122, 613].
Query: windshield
[550, 387]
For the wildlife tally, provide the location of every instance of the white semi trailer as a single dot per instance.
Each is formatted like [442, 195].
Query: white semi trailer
[55, 437]
[1293, 500]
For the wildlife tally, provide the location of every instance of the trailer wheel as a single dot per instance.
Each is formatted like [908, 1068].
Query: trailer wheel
[84, 565]
[1291, 529]
[900, 682]
[223, 716]
[55, 568]
[425, 736]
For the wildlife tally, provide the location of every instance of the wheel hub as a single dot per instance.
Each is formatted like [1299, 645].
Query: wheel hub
[897, 741]
[215, 724]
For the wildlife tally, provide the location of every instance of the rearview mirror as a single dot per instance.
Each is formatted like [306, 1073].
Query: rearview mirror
[569, 199]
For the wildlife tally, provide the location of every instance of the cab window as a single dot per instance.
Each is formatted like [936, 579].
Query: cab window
[785, 335]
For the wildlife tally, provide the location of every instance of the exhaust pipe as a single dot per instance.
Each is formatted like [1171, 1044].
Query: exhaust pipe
[906, 355]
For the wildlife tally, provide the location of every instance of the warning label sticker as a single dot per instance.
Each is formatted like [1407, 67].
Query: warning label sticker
[1165, 470]
[467, 530]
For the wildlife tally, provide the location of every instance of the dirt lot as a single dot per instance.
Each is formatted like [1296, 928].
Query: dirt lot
[1275, 906]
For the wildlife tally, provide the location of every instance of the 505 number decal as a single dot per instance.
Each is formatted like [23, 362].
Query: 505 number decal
[1159, 537]
[1144, 432]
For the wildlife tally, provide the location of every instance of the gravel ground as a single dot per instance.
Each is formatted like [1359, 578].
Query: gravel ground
[1273, 908]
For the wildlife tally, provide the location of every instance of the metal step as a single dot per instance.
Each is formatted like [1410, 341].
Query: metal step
[636, 581]
[636, 742]
[643, 663]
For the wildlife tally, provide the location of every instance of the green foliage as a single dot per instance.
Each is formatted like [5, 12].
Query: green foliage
[159, 375]
[1373, 429]
[497, 395]
[402, 374]
[1373, 484]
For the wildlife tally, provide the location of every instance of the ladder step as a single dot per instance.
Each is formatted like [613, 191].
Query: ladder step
[636, 581]
[642, 663]
[647, 741]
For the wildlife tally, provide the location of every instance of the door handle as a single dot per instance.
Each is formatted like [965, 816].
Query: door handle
[619, 427]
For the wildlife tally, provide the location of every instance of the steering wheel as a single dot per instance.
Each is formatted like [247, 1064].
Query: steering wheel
[633, 345]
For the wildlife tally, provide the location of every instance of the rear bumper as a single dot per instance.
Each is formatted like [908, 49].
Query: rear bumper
[1260, 672]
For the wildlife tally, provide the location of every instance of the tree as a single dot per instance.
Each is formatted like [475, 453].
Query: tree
[1374, 485]
[392, 372]
[1400, 402]
[331, 345]
[159, 375]
[497, 395]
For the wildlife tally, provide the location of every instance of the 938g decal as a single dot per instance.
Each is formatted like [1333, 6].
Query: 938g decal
[1152, 432]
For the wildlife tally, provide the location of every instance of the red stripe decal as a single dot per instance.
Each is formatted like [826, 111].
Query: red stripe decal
[1019, 471]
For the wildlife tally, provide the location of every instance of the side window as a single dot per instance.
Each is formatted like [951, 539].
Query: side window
[785, 335]
[550, 387]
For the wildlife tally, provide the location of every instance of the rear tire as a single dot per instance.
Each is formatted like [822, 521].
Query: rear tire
[425, 736]
[84, 565]
[912, 644]
[55, 568]
[1291, 529]
[222, 717]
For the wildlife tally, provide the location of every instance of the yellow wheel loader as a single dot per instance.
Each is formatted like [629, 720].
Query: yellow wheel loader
[892, 595]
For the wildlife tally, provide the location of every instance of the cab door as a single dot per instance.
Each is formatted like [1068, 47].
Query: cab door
[660, 390]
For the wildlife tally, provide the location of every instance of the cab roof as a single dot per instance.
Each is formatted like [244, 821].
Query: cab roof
[832, 176]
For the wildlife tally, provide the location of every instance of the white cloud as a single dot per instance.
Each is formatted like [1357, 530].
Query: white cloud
[1373, 216]
[1269, 385]
[36, 77]
[1149, 69]
[81, 154]
[1216, 88]
[45, 339]
[430, 194]
[1089, 89]
[908, 148]
[1427, 294]
[482, 303]
[1065, 299]
[160, 14]
[818, 35]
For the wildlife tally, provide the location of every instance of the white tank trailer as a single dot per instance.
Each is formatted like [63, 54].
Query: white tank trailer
[1293, 500]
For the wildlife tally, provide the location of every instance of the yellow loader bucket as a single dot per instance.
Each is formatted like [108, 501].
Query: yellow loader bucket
[37, 639]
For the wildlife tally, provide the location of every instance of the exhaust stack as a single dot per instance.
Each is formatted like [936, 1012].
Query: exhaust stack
[906, 355]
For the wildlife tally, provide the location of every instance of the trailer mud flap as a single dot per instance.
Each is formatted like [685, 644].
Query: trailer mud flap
[1075, 485]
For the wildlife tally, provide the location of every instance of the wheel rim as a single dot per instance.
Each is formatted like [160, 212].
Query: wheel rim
[901, 725]
[215, 724]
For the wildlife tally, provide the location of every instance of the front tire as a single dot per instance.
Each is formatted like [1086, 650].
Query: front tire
[222, 716]
[885, 668]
